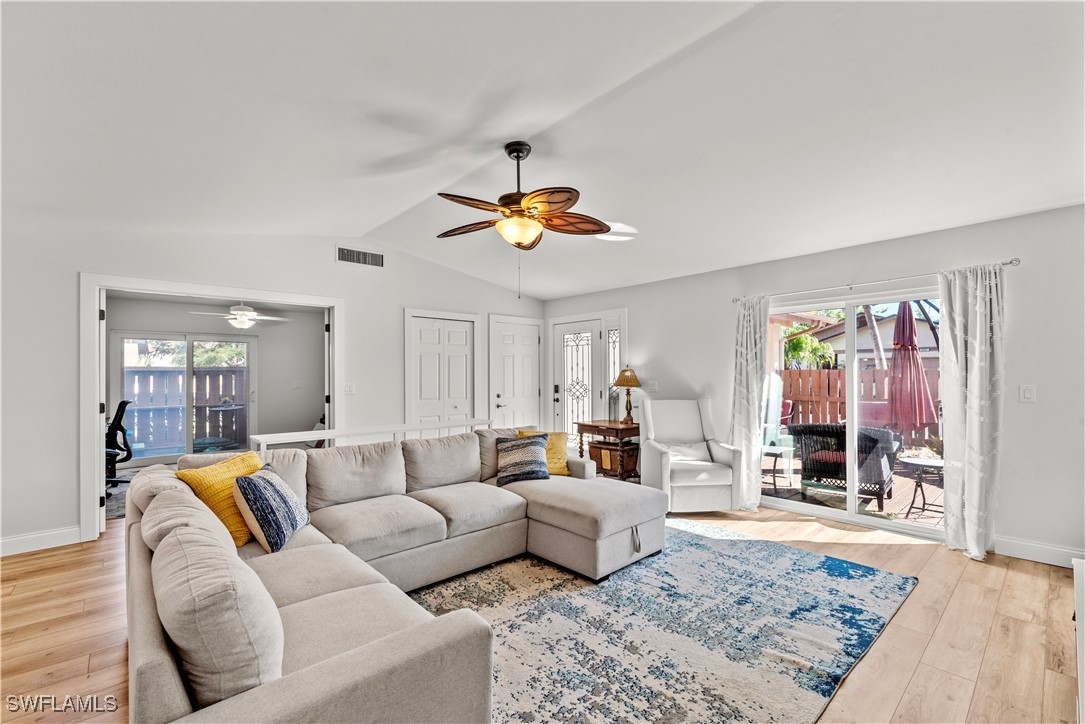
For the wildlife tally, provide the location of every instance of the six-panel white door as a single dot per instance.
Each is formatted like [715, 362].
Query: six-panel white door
[441, 375]
[515, 387]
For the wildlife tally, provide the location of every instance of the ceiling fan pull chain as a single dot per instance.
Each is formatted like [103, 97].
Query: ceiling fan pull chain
[518, 264]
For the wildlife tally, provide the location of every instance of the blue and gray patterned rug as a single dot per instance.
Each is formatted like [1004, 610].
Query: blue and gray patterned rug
[719, 627]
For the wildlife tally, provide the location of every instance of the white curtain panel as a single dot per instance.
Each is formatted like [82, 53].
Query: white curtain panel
[751, 376]
[973, 361]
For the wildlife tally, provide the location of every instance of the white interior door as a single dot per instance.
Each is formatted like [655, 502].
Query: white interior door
[441, 370]
[579, 373]
[515, 385]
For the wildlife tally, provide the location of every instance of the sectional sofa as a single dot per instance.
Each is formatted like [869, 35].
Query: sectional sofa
[323, 630]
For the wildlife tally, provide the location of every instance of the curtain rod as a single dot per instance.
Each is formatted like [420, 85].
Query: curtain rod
[1012, 262]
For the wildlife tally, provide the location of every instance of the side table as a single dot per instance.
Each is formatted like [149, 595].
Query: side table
[920, 466]
[617, 448]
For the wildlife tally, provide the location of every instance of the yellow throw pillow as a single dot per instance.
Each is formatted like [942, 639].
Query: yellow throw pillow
[214, 485]
[557, 450]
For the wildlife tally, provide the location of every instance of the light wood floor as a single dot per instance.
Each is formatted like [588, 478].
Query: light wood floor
[988, 641]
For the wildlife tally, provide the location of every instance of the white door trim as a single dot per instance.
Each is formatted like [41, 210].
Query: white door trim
[91, 437]
[481, 368]
[513, 319]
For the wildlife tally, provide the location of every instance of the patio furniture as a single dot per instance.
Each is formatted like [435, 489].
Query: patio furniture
[776, 452]
[821, 447]
[922, 466]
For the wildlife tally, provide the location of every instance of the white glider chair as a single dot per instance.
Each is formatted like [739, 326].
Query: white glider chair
[681, 456]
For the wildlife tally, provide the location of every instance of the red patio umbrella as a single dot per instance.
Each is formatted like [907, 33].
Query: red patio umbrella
[910, 406]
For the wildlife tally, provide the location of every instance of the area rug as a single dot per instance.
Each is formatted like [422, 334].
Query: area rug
[719, 627]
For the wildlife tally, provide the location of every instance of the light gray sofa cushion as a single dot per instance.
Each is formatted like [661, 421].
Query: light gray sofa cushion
[297, 575]
[218, 614]
[590, 508]
[380, 526]
[307, 536]
[151, 481]
[468, 507]
[289, 463]
[487, 438]
[436, 461]
[174, 509]
[319, 628]
[354, 472]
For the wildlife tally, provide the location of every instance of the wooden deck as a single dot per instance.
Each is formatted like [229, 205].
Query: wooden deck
[904, 485]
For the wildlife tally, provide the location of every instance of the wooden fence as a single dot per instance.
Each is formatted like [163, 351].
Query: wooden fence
[156, 417]
[820, 396]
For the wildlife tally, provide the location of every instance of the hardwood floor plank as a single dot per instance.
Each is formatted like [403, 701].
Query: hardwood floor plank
[934, 696]
[108, 657]
[945, 564]
[61, 623]
[990, 573]
[1025, 591]
[873, 689]
[69, 649]
[31, 594]
[45, 676]
[923, 608]
[107, 681]
[10, 619]
[1011, 680]
[959, 640]
[1060, 697]
[1061, 643]
[7, 590]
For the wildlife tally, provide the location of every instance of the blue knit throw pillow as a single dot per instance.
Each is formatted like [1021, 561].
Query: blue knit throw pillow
[270, 508]
[521, 458]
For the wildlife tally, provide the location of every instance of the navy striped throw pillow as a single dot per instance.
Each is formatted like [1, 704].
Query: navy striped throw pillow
[270, 508]
[521, 458]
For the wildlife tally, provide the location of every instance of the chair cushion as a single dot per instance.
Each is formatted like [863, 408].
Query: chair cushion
[320, 628]
[592, 508]
[218, 614]
[214, 485]
[696, 472]
[557, 450]
[179, 509]
[689, 451]
[270, 508]
[381, 526]
[435, 461]
[468, 507]
[305, 573]
[307, 536]
[830, 456]
[354, 472]
[487, 450]
[521, 458]
[288, 462]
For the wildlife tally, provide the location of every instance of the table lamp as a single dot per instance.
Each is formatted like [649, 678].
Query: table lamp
[627, 378]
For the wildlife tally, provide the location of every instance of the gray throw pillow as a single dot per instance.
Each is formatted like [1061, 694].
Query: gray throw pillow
[521, 458]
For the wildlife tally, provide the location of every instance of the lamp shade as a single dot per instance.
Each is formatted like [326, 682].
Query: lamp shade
[627, 378]
[518, 230]
[241, 322]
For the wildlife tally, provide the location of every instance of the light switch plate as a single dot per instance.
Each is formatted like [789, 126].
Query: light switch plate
[351, 388]
[1026, 393]
[651, 386]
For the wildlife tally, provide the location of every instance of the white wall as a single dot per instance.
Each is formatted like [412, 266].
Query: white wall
[285, 352]
[681, 333]
[40, 327]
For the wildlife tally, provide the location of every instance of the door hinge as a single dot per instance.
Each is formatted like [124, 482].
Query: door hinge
[327, 399]
[327, 328]
[101, 408]
[600, 334]
[101, 501]
[101, 315]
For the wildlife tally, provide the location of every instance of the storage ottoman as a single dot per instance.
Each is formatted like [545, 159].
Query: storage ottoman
[593, 527]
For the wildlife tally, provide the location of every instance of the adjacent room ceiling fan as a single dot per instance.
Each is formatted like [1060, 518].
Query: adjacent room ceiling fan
[524, 216]
[243, 317]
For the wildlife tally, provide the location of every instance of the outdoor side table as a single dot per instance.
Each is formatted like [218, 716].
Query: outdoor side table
[921, 466]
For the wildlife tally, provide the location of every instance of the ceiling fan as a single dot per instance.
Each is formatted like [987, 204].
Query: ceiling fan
[524, 216]
[242, 316]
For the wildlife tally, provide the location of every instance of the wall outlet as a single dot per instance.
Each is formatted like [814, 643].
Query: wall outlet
[1026, 393]
[352, 388]
[651, 386]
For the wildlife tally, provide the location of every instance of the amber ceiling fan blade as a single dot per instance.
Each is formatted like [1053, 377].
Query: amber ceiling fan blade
[573, 224]
[474, 203]
[468, 228]
[551, 200]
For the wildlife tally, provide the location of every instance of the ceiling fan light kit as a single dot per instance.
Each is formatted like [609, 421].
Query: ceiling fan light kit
[242, 316]
[524, 216]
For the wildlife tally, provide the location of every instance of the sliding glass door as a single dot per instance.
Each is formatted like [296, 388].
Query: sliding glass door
[188, 393]
[853, 417]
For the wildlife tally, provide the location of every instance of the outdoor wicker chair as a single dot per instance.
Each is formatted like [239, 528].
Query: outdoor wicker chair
[824, 459]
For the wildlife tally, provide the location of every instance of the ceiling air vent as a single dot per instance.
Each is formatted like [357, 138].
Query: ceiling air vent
[356, 256]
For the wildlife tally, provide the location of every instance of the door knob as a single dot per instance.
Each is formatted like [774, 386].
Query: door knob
[557, 399]
[499, 405]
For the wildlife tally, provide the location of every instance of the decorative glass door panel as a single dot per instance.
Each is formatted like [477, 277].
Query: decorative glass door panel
[578, 362]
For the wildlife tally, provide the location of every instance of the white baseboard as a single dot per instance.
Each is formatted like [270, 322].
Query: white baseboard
[39, 541]
[1036, 551]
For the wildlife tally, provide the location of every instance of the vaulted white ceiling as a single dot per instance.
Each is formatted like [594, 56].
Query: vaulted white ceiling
[725, 133]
